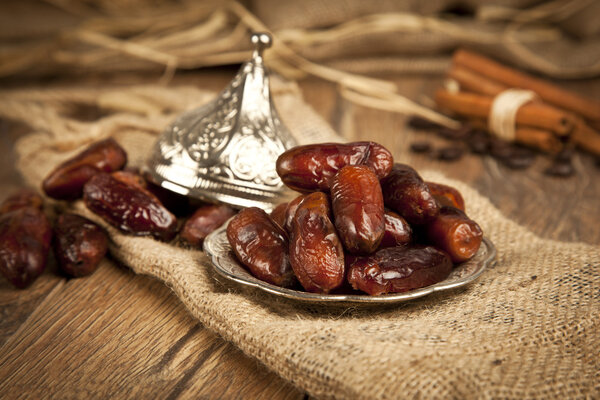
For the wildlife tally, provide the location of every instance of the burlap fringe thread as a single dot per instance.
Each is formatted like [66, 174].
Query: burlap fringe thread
[173, 38]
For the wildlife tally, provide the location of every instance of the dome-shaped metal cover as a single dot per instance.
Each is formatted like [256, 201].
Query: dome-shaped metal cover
[226, 150]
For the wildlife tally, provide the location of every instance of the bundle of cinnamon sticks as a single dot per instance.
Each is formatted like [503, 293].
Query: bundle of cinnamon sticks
[556, 118]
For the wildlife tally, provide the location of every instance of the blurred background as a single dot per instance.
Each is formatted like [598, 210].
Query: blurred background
[559, 39]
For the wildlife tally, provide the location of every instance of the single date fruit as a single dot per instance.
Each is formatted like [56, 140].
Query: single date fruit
[446, 195]
[25, 235]
[397, 231]
[311, 167]
[20, 199]
[128, 208]
[205, 220]
[290, 211]
[405, 192]
[278, 214]
[316, 253]
[67, 180]
[399, 269]
[455, 233]
[79, 245]
[261, 245]
[358, 211]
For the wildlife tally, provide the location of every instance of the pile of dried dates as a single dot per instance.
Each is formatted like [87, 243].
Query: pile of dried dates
[121, 197]
[360, 223]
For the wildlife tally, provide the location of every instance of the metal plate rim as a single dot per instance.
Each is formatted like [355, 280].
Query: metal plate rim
[218, 256]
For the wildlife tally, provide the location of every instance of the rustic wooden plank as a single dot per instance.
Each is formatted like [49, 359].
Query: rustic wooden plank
[115, 334]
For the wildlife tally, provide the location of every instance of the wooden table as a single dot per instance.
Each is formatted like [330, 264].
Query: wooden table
[119, 335]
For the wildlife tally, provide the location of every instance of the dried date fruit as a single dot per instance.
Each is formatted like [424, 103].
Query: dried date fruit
[397, 231]
[67, 180]
[25, 235]
[20, 199]
[446, 195]
[357, 204]
[131, 178]
[290, 211]
[311, 167]
[205, 220]
[399, 269]
[455, 233]
[405, 192]
[261, 245]
[316, 253]
[79, 245]
[278, 214]
[128, 208]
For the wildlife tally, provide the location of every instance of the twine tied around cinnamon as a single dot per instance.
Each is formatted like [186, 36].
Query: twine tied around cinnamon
[503, 113]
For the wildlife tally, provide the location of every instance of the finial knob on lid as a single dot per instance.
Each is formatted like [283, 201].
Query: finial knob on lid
[226, 150]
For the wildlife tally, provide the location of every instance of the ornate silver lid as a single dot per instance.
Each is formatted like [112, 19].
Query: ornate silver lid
[226, 150]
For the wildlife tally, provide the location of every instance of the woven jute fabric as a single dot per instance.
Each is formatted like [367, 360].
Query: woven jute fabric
[527, 328]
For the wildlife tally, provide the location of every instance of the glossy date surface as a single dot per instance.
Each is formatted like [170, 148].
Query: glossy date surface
[79, 245]
[397, 231]
[205, 220]
[316, 253]
[25, 235]
[290, 212]
[66, 181]
[278, 214]
[311, 167]
[405, 192]
[399, 269]
[357, 204]
[446, 195]
[20, 199]
[261, 245]
[128, 208]
[455, 233]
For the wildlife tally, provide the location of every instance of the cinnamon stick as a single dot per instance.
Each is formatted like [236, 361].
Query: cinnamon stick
[540, 139]
[535, 115]
[587, 138]
[588, 108]
[471, 81]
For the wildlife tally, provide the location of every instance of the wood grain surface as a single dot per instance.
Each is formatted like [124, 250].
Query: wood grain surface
[119, 335]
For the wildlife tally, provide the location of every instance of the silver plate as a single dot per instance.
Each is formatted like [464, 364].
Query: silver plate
[225, 263]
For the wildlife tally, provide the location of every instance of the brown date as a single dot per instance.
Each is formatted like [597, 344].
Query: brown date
[20, 199]
[278, 214]
[399, 269]
[405, 192]
[311, 167]
[133, 179]
[128, 208]
[25, 235]
[316, 253]
[455, 233]
[261, 245]
[357, 204]
[67, 180]
[79, 245]
[446, 195]
[290, 211]
[397, 231]
[205, 220]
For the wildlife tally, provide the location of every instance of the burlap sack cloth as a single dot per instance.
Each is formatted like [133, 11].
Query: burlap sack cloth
[527, 328]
